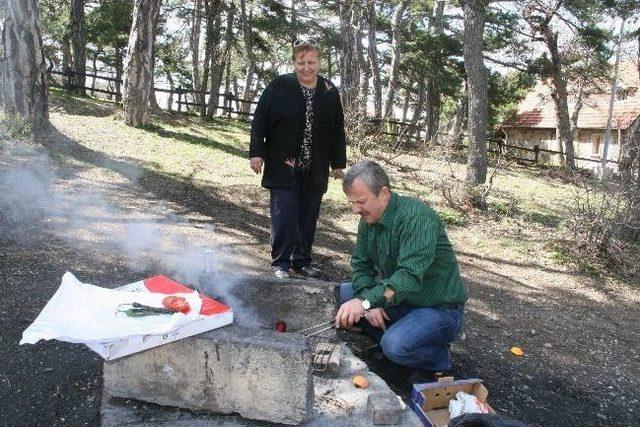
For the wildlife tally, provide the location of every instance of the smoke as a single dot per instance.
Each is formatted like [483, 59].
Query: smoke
[39, 196]
[27, 195]
[225, 287]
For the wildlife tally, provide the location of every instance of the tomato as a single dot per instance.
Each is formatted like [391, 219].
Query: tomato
[176, 304]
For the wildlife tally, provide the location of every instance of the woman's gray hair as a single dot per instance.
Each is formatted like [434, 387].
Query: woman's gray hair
[370, 173]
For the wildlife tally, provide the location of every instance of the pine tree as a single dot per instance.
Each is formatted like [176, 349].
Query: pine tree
[23, 70]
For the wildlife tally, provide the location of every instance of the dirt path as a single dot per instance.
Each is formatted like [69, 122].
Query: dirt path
[580, 335]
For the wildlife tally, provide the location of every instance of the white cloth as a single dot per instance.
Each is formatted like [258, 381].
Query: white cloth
[83, 313]
[465, 404]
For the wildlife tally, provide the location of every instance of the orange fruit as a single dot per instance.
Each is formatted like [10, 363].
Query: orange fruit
[517, 351]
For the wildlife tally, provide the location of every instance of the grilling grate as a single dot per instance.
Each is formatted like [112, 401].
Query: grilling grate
[323, 347]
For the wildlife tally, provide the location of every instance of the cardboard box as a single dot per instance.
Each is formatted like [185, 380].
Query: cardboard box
[430, 401]
[213, 314]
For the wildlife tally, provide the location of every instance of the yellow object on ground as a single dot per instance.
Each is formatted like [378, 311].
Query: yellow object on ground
[517, 351]
[360, 381]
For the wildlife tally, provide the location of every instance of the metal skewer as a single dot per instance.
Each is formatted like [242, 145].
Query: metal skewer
[313, 330]
[320, 331]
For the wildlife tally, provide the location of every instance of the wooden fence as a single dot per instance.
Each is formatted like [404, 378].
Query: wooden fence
[389, 127]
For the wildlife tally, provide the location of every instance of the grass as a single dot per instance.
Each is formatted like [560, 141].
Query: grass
[451, 217]
[14, 127]
[526, 206]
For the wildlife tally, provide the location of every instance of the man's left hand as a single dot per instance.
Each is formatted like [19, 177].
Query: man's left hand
[337, 173]
[349, 313]
[376, 318]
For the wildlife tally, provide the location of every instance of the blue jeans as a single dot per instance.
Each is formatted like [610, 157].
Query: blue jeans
[416, 337]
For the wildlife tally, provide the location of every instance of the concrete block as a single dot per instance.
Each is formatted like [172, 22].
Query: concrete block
[337, 403]
[260, 374]
[264, 300]
[384, 408]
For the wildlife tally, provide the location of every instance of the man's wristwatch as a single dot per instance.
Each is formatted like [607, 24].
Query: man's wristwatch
[366, 304]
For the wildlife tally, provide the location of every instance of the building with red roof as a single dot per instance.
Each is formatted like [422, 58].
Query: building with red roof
[535, 120]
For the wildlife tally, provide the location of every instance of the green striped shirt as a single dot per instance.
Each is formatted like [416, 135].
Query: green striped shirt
[407, 251]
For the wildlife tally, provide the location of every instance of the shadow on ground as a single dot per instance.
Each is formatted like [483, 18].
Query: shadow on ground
[579, 366]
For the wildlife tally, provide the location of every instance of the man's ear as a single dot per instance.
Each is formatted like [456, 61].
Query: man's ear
[384, 191]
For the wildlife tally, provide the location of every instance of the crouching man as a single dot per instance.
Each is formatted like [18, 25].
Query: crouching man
[406, 290]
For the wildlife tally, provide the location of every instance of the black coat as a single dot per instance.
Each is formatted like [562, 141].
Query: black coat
[278, 125]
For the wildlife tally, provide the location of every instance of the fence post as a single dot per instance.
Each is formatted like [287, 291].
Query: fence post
[68, 75]
[536, 153]
[179, 90]
[228, 102]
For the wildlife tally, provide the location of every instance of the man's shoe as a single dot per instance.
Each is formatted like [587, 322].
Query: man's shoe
[281, 273]
[419, 376]
[308, 271]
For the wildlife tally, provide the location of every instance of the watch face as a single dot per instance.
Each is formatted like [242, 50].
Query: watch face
[366, 304]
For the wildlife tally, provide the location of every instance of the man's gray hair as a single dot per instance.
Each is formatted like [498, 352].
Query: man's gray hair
[370, 173]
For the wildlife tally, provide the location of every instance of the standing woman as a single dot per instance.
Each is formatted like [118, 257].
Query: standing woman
[298, 134]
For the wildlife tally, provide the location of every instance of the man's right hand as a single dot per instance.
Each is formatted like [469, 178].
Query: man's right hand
[256, 164]
[349, 313]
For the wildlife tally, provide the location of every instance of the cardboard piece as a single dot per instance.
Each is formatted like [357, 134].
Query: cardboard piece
[213, 314]
[430, 401]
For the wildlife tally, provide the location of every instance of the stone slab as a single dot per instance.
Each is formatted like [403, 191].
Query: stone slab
[261, 301]
[383, 408]
[337, 403]
[260, 374]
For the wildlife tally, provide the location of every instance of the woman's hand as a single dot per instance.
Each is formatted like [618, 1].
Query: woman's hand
[256, 164]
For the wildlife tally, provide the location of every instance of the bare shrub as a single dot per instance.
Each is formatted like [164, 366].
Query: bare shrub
[362, 134]
[605, 222]
[453, 188]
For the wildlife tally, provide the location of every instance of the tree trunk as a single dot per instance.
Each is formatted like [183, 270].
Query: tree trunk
[373, 61]
[65, 46]
[612, 98]
[405, 106]
[432, 112]
[474, 20]
[94, 63]
[138, 65]
[24, 80]
[349, 74]
[171, 88]
[236, 90]
[395, 56]
[457, 124]
[432, 109]
[194, 47]
[79, 47]
[251, 60]
[119, 73]
[559, 96]
[293, 36]
[208, 29]
[227, 83]
[363, 66]
[578, 107]
[629, 167]
[153, 102]
[417, 110]
[542, 25]
[215, 66]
